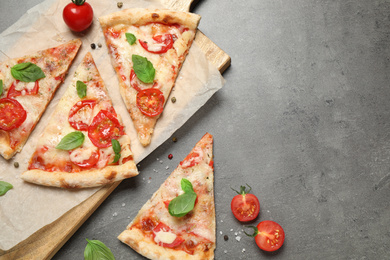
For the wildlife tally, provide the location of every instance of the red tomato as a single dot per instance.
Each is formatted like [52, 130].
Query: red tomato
[193, 158]
[104, 127]
[87, 163]
[80, 114]
[162, 227]
[150, 101]
[12, 114]
[245, 207]
[164, 43]
[269, 235]
[78, 15]
[12, 92]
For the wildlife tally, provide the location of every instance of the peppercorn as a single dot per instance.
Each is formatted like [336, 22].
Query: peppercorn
[119, 4]
[225, 237]
[173, 99]
[170, 156]
[16, 164]
[93, 46]
[174, 139]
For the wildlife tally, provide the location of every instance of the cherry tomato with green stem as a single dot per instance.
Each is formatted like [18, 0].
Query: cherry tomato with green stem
[269, 235]
[78, 15]
[245, 206]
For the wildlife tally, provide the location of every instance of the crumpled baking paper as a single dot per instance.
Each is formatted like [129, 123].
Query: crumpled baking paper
[28, 207]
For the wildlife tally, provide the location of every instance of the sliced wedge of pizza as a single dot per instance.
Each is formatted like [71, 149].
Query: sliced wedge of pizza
[84, 143]
[27, 84]
[147, 49]
[178, 222]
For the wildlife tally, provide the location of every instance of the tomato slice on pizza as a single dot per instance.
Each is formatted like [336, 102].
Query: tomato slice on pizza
[178, 222]
[147, 49]
[28, 85]
[84, 143]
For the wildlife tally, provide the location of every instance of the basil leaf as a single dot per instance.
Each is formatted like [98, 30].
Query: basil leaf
[186, 186]
[81, 89]
[27, 72]
[1, 87]
[117, 149]
[143, 68]
[97, 250]
[181, 205]
[130, 38]
[71, 141]
[4, 187]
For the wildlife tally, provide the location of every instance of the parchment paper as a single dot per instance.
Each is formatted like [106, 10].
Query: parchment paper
[27, 207]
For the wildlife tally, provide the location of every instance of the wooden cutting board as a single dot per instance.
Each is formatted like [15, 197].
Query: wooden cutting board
[44, 243]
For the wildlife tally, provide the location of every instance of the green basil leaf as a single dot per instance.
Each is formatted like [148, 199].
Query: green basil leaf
[71, 141]
[4, 187]
[130, 38]
[27, 72]
[81, 89]
[181, 205]
[186, 186]
[116, 146]
[97, 250]
[1, 87]
[143, 68]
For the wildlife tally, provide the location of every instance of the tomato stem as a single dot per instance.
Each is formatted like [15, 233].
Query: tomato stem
[78, 2]
[255, 230]
[243, 190]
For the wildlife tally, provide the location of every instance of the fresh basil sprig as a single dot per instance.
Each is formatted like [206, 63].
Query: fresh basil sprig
[71, 141]
[4, 187]
[116, 146]
[130, 38]
[143, 68]
[27, 72]
[97, 250]
[1, 87]
[81, 89]
[181, 205]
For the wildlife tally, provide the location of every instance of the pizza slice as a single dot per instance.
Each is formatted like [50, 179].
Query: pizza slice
[178, 222]
[27, 85]
[147, 49]
[84, 143]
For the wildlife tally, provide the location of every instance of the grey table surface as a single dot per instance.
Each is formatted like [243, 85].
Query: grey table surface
[303, 118]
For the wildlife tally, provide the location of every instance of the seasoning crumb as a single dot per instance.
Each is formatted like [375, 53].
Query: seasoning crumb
[226, 237]
[99, 45]
[115, 214]
[174, 139]
[93, 46]
[220, 232]
[225, 251]
[123, 204]
[243, 250]
[16, 164]
[238, 238]
[173, 99]
[119, 4]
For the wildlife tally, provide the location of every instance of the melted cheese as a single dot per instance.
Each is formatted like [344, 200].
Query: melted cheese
[164, 237]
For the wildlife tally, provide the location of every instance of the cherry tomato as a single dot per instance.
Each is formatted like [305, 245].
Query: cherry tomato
[104, 127]
[12, 92]
[12, 114]
[162, 42]
[162, 227]
[269, 235]
[88, 162]
[150, 101]
[78, 15]
[245, 207]
[80, 114]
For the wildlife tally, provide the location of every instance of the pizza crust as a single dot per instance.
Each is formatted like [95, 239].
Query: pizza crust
[83, 179]
[141, 16]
